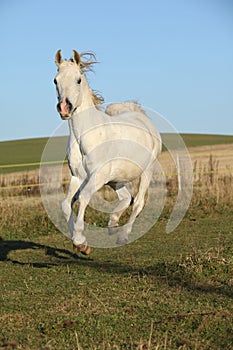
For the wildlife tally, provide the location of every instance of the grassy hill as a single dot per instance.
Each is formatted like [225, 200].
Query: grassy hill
[30, 150]
[22, 154]
[192, 140]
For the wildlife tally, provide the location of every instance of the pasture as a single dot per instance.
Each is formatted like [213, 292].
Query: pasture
[164, 291]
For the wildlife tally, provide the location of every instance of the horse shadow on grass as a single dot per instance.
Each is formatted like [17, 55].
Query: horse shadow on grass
[57, 256]
[168, 273]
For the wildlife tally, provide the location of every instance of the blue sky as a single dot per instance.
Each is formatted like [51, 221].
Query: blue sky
[174, 56]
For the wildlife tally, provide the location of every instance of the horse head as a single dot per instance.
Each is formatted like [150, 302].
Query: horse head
[71, 85]
[68, 83]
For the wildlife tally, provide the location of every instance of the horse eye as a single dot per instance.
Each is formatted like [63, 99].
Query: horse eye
[55, 81]
[79, 81]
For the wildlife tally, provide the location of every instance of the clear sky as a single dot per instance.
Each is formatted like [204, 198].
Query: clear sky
[174, 56]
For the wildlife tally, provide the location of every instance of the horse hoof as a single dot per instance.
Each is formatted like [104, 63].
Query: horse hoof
[122, 241]
[112, 230]
[82, 248]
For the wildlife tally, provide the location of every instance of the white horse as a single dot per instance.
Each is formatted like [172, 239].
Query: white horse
[102, 149]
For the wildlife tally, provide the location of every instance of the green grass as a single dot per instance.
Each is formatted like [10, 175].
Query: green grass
[193, 140]
[164, 291]
[26, 152]
[30, 150]
[22, 151]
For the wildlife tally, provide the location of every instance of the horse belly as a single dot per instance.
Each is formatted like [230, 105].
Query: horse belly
[123, 170]
[115, 167]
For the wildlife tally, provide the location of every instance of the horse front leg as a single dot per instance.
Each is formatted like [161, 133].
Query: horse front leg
[79, 240]
[67, 202]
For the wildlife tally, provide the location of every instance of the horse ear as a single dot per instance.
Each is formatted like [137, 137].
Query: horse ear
[58, 58]
[76, 57]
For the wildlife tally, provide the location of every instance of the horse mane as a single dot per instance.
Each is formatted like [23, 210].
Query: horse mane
[97, 98]
[87, 63]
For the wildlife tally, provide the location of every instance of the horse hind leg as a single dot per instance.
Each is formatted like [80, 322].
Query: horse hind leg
[137, 206]
[125, 199]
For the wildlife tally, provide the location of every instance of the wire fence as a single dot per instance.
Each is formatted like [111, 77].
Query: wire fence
[54, 162]
[24, 165]
[57, 162]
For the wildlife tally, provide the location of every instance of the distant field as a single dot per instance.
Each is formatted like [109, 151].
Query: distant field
[26, 152]
[193, 140]
[30, 150]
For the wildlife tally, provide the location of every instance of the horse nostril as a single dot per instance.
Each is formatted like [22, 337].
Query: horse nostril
[69, 103]
[59, 107]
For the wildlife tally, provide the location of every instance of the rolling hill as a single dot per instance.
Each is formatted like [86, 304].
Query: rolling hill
[26, 154]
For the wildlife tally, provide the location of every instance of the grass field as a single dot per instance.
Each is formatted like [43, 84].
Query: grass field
[164, 291]
[27, 152]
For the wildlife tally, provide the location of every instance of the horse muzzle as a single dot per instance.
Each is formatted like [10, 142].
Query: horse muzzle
[64, 108]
